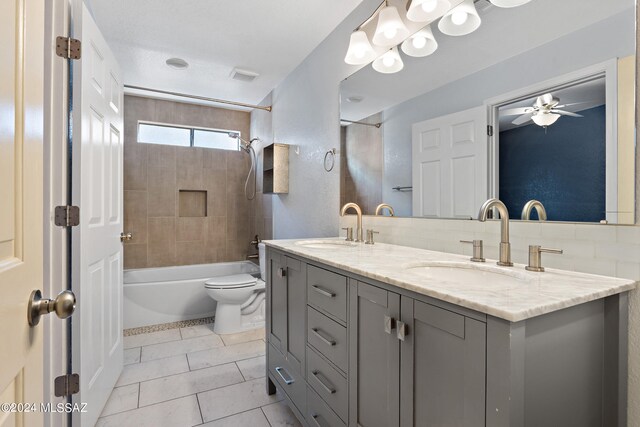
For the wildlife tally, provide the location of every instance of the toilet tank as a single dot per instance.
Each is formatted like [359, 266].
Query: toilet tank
[263, 261]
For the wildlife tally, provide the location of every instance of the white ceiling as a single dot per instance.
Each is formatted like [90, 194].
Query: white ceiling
[504, 33]
[214, 36]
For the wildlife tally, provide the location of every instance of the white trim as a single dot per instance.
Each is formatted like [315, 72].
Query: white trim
[607, 69]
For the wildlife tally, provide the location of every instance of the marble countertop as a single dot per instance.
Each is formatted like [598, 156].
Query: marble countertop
[510, 293]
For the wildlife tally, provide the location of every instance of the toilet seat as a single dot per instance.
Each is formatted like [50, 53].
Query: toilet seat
[236, 281]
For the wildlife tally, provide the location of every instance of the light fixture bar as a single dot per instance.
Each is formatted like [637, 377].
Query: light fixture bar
[201, 98]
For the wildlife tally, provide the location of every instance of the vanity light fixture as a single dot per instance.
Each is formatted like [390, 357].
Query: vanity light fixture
[427, 10]
[461, 20]
[545, 119]
[509, 3]
[389, 63]
[390, 30]
[422, 43]
[360, 51]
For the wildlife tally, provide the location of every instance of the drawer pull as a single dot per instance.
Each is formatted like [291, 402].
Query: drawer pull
[389, 324]
[329, 390]
[327, 341]
[315, 417]
[282, 272]
[280, 370]
[324, 292]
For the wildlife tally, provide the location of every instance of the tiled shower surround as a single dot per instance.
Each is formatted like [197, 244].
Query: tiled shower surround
[157, 178]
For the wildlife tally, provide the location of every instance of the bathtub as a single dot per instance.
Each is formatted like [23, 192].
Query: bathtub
[169, 294]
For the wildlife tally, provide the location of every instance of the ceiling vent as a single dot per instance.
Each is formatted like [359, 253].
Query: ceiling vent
[243, 75]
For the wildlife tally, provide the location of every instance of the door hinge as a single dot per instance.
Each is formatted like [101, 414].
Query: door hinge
[490, 130]
[68, 48]
[67, 216]
[66, 385]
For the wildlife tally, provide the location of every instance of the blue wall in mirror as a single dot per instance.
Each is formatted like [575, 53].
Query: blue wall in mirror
[563, 167]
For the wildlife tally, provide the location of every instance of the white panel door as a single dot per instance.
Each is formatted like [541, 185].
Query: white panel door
[21, 212]
[449, 163]
[97, 190]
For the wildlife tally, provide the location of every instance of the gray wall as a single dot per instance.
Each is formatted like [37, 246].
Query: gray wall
[306, 115]
[589, 46]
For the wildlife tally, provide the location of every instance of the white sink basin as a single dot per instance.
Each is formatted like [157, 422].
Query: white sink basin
[467, 274]
[326, 244]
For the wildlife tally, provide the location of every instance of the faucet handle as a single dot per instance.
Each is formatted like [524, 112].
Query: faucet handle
[535, 257]
[370, 234]
[478, 255]
[349, 233]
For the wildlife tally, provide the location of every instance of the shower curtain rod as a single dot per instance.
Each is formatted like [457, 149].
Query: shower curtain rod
[201, 98]
[377, 125]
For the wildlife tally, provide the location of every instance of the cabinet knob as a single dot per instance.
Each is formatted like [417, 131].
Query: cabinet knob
[389, 324]
[282, 272]
[403, 330]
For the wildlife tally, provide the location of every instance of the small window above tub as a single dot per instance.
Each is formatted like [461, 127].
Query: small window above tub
[188, 136]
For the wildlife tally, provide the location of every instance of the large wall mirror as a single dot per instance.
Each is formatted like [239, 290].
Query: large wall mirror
[537, 104]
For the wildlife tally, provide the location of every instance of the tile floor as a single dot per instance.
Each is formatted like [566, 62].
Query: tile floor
[192, 377]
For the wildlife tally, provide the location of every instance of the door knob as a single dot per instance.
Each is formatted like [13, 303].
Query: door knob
[64, 306]
[125, 237]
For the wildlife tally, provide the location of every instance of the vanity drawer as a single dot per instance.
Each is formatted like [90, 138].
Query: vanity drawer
[330, 385]
[289, 381]
[327, 291]
[328, 337]
[319, 414]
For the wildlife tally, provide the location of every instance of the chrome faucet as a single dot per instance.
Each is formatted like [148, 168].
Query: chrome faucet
[529, 206]
[505, 246]
[382, 206]
[359, 223]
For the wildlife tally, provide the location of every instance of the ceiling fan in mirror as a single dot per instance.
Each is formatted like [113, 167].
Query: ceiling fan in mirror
[545, 111]
[377, 38]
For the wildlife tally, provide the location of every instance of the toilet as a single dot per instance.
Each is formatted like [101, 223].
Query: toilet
[240, 299]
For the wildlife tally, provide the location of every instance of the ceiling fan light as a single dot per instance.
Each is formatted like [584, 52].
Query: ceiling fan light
[422, 43]
[389, 63]
[509, 3]
[545, 119]
[461, 20]
[390, 30]
[360, 50]
[427, 10]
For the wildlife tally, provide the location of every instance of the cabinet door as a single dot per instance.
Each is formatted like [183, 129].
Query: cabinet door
[296, 313]
[443, 367]
[277, 300]
[374, 357]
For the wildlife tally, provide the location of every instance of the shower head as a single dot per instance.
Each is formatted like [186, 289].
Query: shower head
[244, 144]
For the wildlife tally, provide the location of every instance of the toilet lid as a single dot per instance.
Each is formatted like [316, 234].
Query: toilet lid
[233, 281]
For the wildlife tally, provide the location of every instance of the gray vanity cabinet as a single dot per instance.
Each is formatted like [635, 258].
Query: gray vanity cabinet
[374, 356]
[288, 316]
[443, 365]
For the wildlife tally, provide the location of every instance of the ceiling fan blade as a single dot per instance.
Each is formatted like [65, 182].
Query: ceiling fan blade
[516, 111]
[566, 113]
[522, 119]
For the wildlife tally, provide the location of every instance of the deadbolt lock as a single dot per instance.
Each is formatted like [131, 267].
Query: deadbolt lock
[125, 237]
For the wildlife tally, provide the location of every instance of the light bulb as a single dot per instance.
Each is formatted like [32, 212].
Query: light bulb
[459, 17]
[419, 42]
[388, 60]
[390, 33]
[429, 5]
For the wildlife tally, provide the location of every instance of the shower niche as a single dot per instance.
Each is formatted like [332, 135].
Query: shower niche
[275, 169]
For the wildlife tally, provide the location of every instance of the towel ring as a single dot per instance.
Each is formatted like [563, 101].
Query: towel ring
[331, 152]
